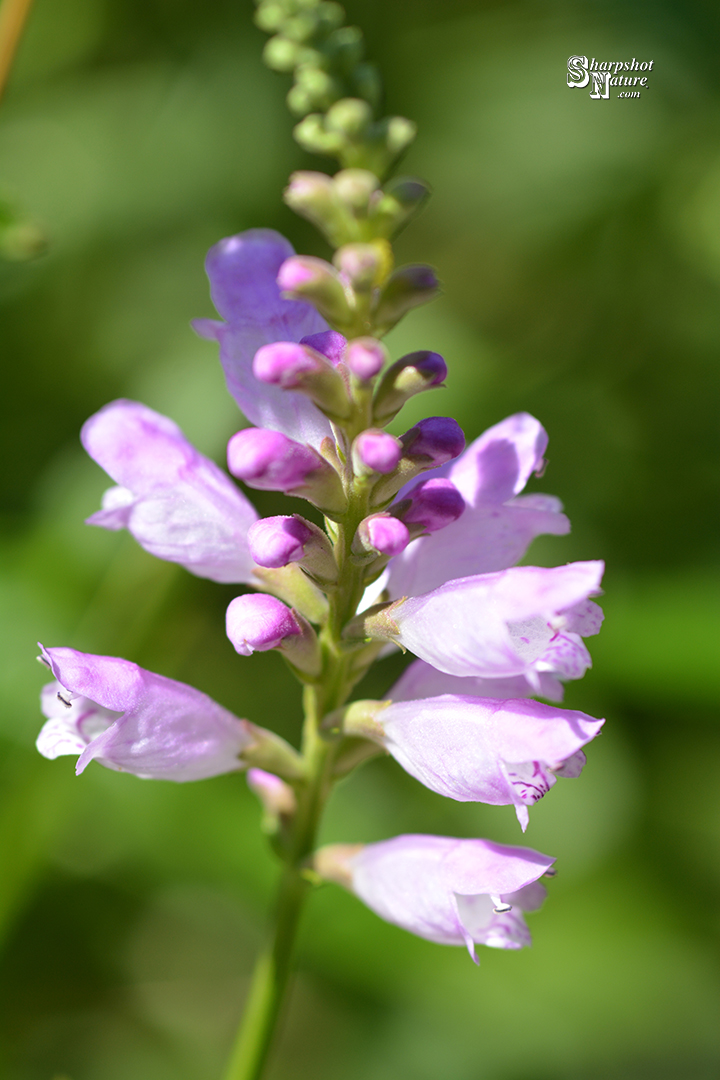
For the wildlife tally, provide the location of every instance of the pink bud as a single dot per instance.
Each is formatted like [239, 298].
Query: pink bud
[299, 270]
[277, 541]
[269, 461]
[365, 357]
[437, 439]
[377, 450]
[433, 504]
[384, 533]
[277, 797]
[257, 622]
[284, 363]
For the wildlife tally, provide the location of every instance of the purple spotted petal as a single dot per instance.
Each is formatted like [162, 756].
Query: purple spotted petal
[482, 750]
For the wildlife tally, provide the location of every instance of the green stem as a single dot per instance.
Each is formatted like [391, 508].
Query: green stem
[269, 983]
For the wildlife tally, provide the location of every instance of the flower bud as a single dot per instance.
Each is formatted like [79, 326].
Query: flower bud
[269, 461]
[277, 541]
[355, 187]
[276, 797]
[376, 451]
[329, 343]
[434, 441]
[364, 265]
[408, 287]
[304, 277]
[257, 622]
[349, 116]
[429, 506]
[381, 534]
[294, 366]
[315, 197]
[408, 376]
[365, 357]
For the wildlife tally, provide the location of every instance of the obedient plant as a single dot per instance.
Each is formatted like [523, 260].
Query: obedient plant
[420, 540]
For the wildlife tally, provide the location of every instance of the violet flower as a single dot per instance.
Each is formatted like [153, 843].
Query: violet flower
[177, 503]
[421, 680]
[243, 270]
[129, 719]
[452, 892]
[523, 621]
[479, 749]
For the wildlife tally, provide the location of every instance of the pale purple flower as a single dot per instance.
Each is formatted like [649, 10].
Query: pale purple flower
[242, 270]
[257, 622]
[176, 503]
[421, 680]
[135, 721]
[479, 749]
[522, 621]
[498, 523]
[452, 892]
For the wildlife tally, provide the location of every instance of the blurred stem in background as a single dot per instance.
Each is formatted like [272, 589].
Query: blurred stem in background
[13, 16]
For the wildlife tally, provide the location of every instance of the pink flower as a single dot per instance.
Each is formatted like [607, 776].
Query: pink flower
[524, 621]
[452, 892]
[479, 749]
[177, 503]
[134, 721]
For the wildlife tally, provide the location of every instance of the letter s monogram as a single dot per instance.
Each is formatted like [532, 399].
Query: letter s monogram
[577, 75]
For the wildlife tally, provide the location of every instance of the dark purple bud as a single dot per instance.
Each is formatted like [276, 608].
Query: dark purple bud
[365, 358]
[277, 541]
[329, 343]
[269, 461]
[431, 504]
[257, 622]
[435, 440]
[376, 451]
[408, 376]
[384, 534]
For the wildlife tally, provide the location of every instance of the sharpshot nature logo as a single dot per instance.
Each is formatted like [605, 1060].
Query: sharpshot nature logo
[601, 75]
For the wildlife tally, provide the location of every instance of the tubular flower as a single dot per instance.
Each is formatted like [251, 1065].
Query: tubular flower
[519, 622]
[452, 892]
[177, 503]
[479, 749]
[243, 270]
[134, 721]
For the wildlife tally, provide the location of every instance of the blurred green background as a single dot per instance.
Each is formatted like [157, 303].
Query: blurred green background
[579, 244]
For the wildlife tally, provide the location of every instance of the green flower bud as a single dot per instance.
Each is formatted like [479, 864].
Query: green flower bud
[350, 116]
[365, 265]
[280, 54]
[355, 187]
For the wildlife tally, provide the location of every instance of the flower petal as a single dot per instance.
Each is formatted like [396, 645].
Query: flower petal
[177, 503]
[242, 270]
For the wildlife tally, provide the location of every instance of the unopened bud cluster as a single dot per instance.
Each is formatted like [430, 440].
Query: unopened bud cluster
[334, 88]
